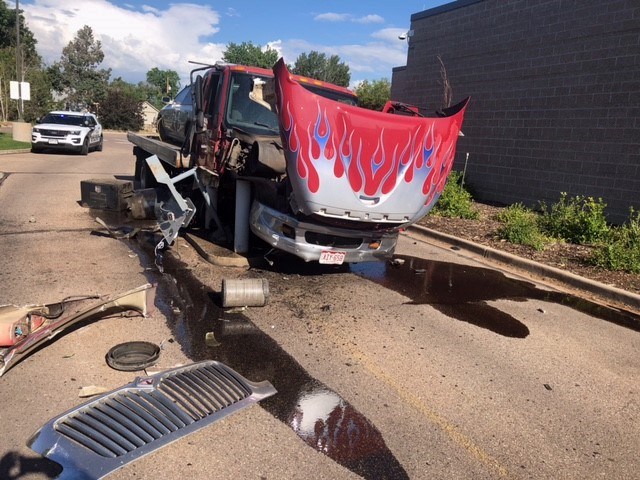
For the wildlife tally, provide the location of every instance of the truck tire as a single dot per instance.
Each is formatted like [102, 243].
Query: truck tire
[99, 146]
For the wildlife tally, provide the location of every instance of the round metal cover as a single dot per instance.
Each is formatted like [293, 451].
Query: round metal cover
[133, 356]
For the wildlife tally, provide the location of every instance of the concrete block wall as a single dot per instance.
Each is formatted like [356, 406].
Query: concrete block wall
[555, 87]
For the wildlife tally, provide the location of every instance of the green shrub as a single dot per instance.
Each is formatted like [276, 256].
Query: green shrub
[455, 201]
[579, 220]
[521, 226]
[621, 248]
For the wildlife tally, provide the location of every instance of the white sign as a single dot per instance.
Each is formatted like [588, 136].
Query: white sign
[14, 90]
[25, 90]
[19, 90]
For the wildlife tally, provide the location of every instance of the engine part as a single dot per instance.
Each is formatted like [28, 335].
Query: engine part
[245, 292]
[133, 356]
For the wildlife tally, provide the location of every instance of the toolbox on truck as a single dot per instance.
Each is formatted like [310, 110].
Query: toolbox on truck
[106, 194]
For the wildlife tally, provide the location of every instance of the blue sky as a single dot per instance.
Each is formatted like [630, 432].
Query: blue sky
[139, 35]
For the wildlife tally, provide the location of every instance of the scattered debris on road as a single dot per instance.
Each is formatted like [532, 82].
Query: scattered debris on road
[27, 328]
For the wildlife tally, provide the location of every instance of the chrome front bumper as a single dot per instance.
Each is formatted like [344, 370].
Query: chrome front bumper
[290, 235]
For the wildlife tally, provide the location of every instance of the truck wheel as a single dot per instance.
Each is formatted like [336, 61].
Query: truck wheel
[85, 147]
[99, 146]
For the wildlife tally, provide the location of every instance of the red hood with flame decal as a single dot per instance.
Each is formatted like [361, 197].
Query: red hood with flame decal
[349, 162]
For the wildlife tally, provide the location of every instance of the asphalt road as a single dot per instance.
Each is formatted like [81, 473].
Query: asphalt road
[437, 367]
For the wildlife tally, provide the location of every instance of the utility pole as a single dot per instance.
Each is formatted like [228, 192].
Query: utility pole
[18, 59]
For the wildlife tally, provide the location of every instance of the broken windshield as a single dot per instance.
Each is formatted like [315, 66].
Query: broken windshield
[245, 114]
[253, 117]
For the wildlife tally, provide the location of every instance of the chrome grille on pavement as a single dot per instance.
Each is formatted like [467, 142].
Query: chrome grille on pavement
[100, 436]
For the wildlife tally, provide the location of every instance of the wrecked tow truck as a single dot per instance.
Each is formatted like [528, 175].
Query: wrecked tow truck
[23, 329]
[296, 162]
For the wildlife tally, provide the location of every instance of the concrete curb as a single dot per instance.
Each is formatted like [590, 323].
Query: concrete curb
[18, 150]
[607, 292]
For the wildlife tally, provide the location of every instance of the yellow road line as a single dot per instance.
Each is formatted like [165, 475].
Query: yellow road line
[454, 434]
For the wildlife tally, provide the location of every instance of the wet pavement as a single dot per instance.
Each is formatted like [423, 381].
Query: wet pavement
[462, 292]
[512, 381]
[314, 411]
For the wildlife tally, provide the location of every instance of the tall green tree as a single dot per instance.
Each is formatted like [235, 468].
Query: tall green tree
[30, 67]
[77, 75]
[374, 94]
[246, 53]
[317, 65]
[122, 108]
[161, 83]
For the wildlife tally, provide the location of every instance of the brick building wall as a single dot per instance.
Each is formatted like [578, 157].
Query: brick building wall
[555, 87]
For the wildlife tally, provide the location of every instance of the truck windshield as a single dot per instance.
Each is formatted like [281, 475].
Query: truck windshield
[252, 117]
[245, 114]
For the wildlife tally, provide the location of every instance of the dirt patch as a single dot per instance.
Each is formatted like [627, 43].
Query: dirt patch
[572, 258]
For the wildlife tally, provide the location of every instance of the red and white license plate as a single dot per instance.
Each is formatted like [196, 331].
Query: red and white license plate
[333, 258]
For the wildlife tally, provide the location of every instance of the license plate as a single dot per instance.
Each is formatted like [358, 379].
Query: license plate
[53, 142]
[332, 258]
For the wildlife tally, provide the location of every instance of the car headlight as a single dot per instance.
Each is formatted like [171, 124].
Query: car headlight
[35, 130]
[74, 132]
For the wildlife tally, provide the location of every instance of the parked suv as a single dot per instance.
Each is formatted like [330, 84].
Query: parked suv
[73, 131]
[173, 119]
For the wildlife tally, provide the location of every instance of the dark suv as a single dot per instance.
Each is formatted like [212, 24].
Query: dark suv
[173, 119]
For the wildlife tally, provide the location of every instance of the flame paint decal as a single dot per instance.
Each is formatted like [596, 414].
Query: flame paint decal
[330, 145]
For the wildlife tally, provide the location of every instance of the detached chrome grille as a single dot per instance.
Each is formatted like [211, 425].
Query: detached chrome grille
[102, 435]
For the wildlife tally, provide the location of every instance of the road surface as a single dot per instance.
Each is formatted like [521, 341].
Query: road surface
[433, 367]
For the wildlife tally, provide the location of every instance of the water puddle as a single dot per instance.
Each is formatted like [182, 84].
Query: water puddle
[462, 292]
[318, 415]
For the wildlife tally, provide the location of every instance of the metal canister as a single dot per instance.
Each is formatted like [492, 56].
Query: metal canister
[249, 292]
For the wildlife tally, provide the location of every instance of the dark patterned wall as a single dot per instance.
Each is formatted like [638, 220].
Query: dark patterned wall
[555, 89]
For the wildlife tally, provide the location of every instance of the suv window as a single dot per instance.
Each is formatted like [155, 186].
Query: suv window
[184, 96]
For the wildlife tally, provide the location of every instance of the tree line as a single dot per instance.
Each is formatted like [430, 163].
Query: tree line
[77, 81]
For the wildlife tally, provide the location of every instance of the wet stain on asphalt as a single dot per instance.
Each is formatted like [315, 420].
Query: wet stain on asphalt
[462, 292]
[318, 415]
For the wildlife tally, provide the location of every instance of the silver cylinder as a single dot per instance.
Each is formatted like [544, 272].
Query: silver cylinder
[245, 292]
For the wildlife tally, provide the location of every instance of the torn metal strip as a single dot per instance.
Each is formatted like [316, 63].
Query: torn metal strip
[140, 299]
[110, 431]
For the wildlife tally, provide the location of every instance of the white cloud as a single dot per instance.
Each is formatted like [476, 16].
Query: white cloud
[347, 17]
[332, 17]
[369, 19]
[136, 39]
[389, 34]
[372, 60]
[232, 12]
[133, 40]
